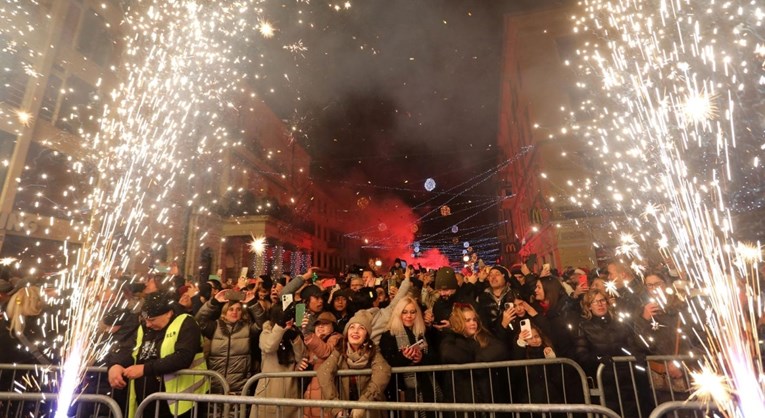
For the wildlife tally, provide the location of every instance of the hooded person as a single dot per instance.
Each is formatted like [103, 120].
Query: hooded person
[356, 351]
[164, 344]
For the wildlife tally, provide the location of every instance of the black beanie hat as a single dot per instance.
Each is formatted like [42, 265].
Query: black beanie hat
[156, 304]
[505, 272]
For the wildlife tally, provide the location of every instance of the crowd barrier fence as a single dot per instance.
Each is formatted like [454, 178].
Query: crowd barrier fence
[286, 406]
[558, 380]
[44, 378]
[677, 409]
[631, 388]
[18, 405]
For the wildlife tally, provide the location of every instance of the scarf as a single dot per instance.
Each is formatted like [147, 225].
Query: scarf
[356, 359]
[403, 341]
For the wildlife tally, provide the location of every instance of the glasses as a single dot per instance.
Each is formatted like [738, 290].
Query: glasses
[599, 302]
[653, 285]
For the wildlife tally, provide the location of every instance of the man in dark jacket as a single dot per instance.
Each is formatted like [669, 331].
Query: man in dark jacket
[165, 343]
[495, 299]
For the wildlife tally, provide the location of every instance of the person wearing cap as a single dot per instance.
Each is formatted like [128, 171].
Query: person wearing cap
[355, 350]
[496, 300]
[449, 292]
[320, 339]
[313, 297]
[229, 326]
[165, 343]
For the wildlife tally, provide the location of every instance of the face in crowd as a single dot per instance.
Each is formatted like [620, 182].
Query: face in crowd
[357, 334]
[340, 303]
[356, 283]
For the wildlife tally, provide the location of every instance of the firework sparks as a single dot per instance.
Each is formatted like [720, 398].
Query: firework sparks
[258, 245]
[680, 83]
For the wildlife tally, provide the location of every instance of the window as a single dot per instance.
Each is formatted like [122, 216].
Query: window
[95, 41]
[80, 107]
[13, 75]
[53, 184]
[48, 105]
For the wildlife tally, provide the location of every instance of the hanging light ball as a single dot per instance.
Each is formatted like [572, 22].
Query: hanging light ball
[455, 229]
[445, 210]
[430, 184]
[362, 203]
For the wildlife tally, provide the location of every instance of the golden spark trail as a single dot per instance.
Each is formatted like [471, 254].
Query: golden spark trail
[679, 85]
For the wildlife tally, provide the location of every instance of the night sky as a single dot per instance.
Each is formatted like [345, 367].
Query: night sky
[390, 93]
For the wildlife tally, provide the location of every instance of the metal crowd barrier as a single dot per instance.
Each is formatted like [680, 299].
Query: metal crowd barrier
[543, 381]
[631, 389]
[677, 409]
[289, 406]
[18, 405]
[44, 378]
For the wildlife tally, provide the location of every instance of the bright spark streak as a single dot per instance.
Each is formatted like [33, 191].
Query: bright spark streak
[258, 245]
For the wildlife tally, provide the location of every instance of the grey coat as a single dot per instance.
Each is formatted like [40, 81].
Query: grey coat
[230, 345]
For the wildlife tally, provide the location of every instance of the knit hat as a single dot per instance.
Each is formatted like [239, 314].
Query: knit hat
[505, 272]
[516, 269]
[364, 318]
[156, 304]
[446, 279]
[326, 317]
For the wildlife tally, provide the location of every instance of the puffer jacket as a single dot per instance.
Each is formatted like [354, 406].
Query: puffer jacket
[599, 339]
[230, 345]
[370, 388]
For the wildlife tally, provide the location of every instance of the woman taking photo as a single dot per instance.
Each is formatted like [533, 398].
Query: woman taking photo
[406, 344]
[357, 351]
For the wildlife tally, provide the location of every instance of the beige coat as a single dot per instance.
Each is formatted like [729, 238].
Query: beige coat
[277, 387]
[370, 388]
[318, 351]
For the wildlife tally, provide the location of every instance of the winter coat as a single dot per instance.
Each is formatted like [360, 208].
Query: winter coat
[560, 323]
[369, 388]
[423, 389]
[458, 349]
[600, 339]
[490, 308]
[230, 344]
[318, 350]
[269, 387]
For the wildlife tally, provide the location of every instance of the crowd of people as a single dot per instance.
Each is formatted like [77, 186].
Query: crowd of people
[405, 317]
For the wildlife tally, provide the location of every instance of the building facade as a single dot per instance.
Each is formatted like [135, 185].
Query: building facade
[538, 113]
[57, 78]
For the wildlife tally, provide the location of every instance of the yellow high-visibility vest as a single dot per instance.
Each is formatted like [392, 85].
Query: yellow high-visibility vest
[174, 383]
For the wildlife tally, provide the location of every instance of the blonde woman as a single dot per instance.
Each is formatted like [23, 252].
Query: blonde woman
[406, 344]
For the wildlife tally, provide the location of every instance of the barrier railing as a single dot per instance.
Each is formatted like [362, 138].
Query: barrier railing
[45, 378]
[686, 409]
[634, 388]
[18, 405]
[558, 380]
[284, 407]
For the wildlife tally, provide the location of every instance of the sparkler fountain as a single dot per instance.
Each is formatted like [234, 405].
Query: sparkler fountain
[180, 71]
[677, 113]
